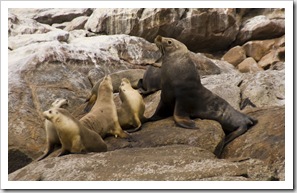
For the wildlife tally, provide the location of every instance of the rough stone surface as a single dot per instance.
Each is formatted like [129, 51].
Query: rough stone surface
[257, 49]
[275, 55]
[265, 88]
[174, 163]
[235, 55]
[264, 141]
[259, 28]
[77, 23]
[182, 24]
[51, 15]
[18, 25]
[27, 39]
[249, 65]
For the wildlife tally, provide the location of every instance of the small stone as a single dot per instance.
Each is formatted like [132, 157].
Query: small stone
[235, 55]
[249, 65]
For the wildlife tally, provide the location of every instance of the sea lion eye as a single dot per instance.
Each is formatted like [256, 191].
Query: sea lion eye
[50, 112]
[169, 42]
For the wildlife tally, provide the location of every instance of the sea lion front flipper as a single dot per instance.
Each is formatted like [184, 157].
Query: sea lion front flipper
[63, 152]
[231, 136]
[181, 118]
[48, 151]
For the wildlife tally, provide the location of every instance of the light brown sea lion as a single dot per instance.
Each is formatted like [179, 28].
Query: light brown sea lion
[185, 97]
[103, 118]
[133, 75]
[52, 138]
[74, 137]
[132, 108]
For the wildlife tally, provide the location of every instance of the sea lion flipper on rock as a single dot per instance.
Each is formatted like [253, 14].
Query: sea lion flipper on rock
[50, 148]
[181, 118]
[241, 130]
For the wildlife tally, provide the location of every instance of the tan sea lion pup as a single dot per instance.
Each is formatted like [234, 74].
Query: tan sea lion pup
[52, 138]
[74, 137]
[184, 97]
[132, 108]
[133, 75]
[103, 118]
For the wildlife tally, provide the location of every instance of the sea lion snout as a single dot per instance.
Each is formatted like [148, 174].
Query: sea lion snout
[158, 39]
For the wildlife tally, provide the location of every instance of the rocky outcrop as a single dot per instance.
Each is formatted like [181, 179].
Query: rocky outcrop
[51, 16]
[178, 162]
[64, 52]
[181, 24]
[257, 55]
[265, 141]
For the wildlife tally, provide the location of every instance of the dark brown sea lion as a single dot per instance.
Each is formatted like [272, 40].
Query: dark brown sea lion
[185, 97]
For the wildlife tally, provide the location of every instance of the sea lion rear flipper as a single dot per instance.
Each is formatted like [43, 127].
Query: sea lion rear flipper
[231, 136]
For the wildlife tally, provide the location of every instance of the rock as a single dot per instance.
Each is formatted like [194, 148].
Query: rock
[265, 88]
[176, 162]
[249, 65]
[225, 67]
[264, 141]
[165, 132]
[15, 42]
[257, 49]
[51, 15]
[77, 23]
[225, 86]
[259, 28]
[181, 24]
[122, 47]
[17, 160]
[275, 55]
[18, 25]
[235, 55]
[204, 65]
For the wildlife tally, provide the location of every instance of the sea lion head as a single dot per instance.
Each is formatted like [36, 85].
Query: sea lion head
[106, 84]
[170, 45]
[125, 84]
[55, 115]
[60, 103]
[50, 114]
